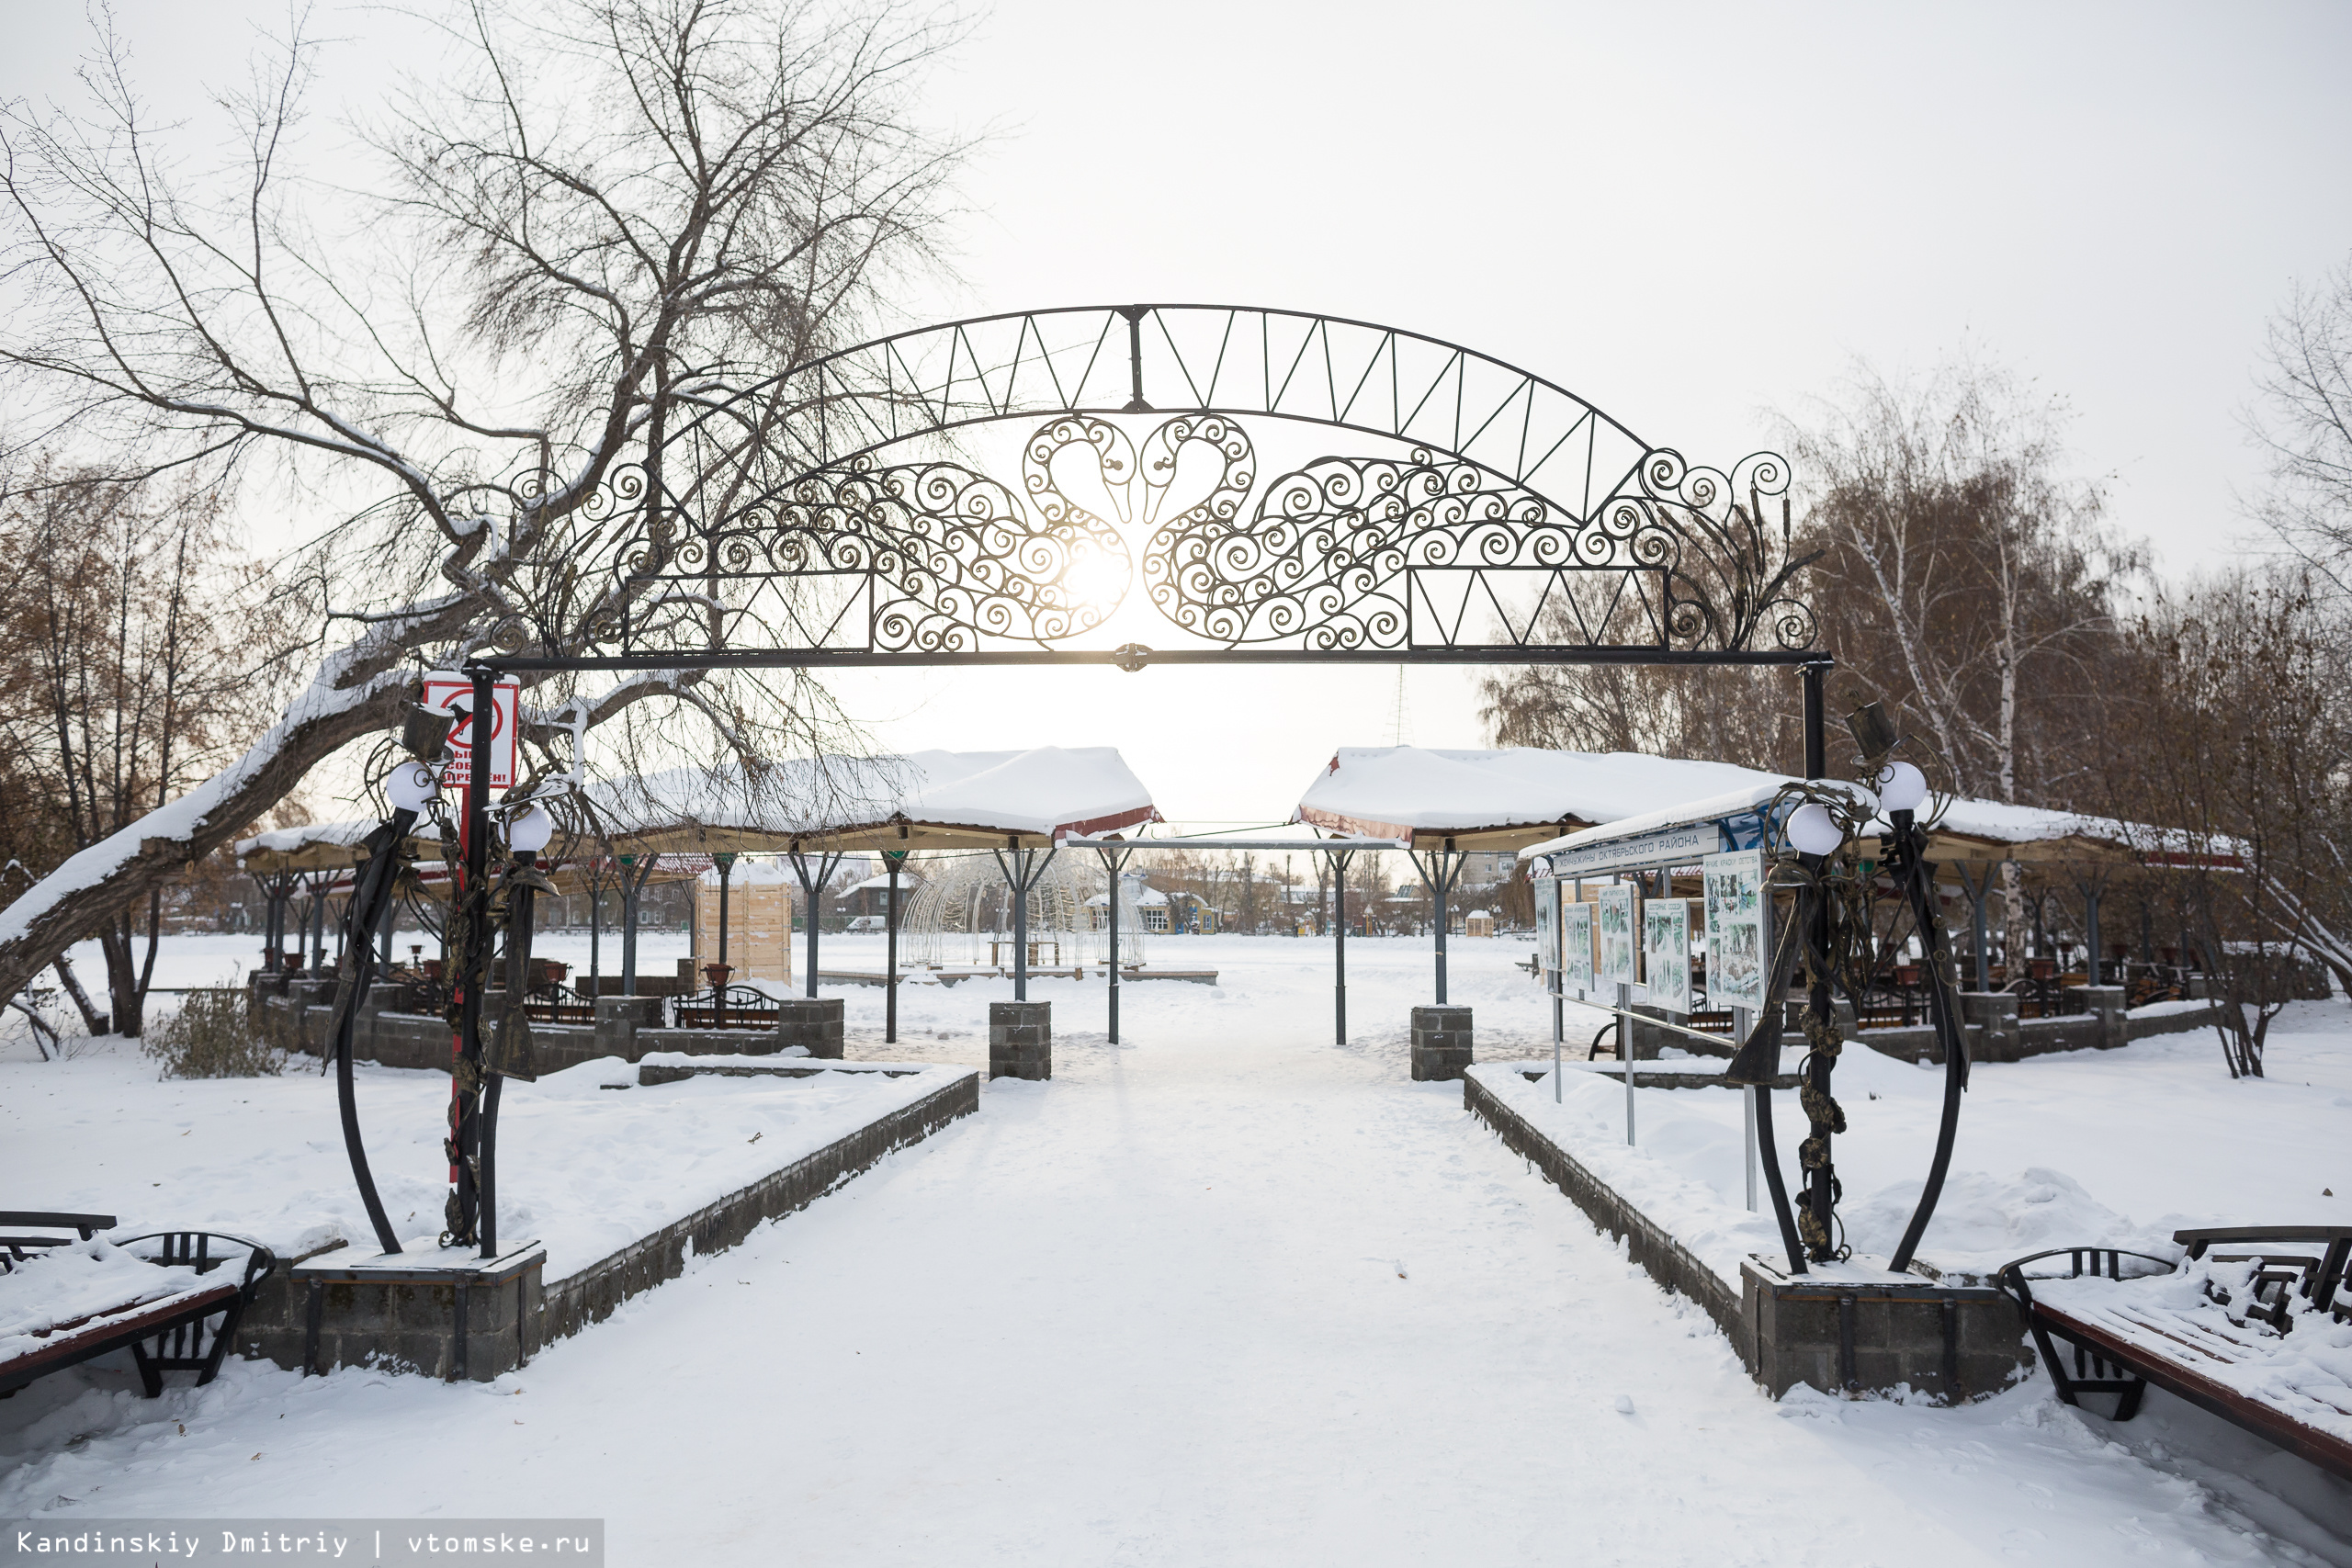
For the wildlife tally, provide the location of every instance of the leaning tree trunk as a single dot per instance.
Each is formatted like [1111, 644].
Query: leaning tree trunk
[357, 690]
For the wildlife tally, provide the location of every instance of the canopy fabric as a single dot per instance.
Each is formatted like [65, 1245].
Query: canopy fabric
[918, 800]
[1503, 799]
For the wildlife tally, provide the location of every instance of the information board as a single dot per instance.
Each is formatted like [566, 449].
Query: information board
[1737, 906]
[1576, 947]
[1615, 914]
[1665, 953]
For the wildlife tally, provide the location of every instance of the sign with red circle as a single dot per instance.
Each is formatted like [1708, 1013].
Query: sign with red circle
[451, 692]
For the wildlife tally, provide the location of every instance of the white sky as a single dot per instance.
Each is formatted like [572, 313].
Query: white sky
[1691, 215]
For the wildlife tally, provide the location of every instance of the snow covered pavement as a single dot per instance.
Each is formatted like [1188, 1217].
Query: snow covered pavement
[1217, 1297]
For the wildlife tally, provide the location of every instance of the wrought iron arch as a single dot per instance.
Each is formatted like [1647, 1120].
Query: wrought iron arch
[1502, 517]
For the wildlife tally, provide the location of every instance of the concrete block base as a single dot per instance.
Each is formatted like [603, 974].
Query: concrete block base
[815, 1023]
[1020, 1040]
[1441, 1044]
[1856, 1334]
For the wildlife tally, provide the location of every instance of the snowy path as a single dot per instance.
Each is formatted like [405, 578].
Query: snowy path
[1152, 1313]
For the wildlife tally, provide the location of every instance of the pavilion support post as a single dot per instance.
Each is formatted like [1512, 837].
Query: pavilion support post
[810, 889]
[633, 879]
[318, 921]
[897, 862]
[1339, 859]
[595, 930]
[2092, 891]
[1979, 888]
[1021, 871]
[1114, 866]
[725, 861]
[1444, 868]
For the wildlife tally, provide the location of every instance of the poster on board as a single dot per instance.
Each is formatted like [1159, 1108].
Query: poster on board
[1737, 906]
[1547, 923]
[1665, 953]
[1576, 947]
[1615, 914]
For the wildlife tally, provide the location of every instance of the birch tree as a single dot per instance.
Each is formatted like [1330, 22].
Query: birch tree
[1969, 578]
[463, 357]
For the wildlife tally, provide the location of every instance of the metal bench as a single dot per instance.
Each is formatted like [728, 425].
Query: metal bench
[732, 1007]
[186, 1330]
[2209, 1329]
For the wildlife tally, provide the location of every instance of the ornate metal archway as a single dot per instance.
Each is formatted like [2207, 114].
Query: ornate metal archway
[829, 516]
[1467, 511]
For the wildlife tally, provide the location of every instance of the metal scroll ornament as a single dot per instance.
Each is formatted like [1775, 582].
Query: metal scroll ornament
[1343, 553]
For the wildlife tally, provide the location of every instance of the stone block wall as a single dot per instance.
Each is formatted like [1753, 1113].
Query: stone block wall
[1020, 1040]
[815, 1023]
[1441, 1044]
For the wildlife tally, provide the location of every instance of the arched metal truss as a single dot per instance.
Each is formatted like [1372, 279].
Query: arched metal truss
[828, 516]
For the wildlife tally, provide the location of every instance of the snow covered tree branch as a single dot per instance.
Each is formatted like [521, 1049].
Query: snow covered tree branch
[606, 210]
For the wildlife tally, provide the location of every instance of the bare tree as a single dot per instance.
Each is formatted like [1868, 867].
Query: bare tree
[2304, 423]
[609, 213]
[130, 633]
[2242, 745]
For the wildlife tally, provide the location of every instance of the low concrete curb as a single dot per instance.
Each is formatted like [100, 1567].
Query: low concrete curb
[1665, 1259]
[411, 1325]
[1954, 1340]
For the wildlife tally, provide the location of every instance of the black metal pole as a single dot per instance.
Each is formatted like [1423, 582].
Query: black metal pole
[473, 970]
[1020, 922]
[2090, 918]
[1919, 888]
[520, 901]
[371, 903]
[1816, 1157]
[1339, 859]
[631, 880]
[596, 931]
[1114, 863]
[895, 860]
[725, 861]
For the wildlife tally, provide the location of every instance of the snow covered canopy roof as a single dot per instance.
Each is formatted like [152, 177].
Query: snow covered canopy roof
[324, 846]
[1681, 834]
[922, 799]
[1991, 830]
[1504, 799]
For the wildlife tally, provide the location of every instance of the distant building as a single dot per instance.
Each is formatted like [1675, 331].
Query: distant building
[872, 897]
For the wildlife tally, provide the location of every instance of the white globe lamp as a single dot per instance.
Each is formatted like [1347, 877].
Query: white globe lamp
[1901, 787]
[411, 786]
[530, 833]
[1813, 832]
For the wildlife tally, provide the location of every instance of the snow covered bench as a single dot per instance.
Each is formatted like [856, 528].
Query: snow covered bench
[2254, 1325]
[159, 1295]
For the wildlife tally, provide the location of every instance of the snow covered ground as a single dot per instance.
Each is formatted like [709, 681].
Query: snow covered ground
[1231, 1293]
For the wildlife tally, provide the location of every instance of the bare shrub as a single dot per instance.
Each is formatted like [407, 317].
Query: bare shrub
[211, 1037]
